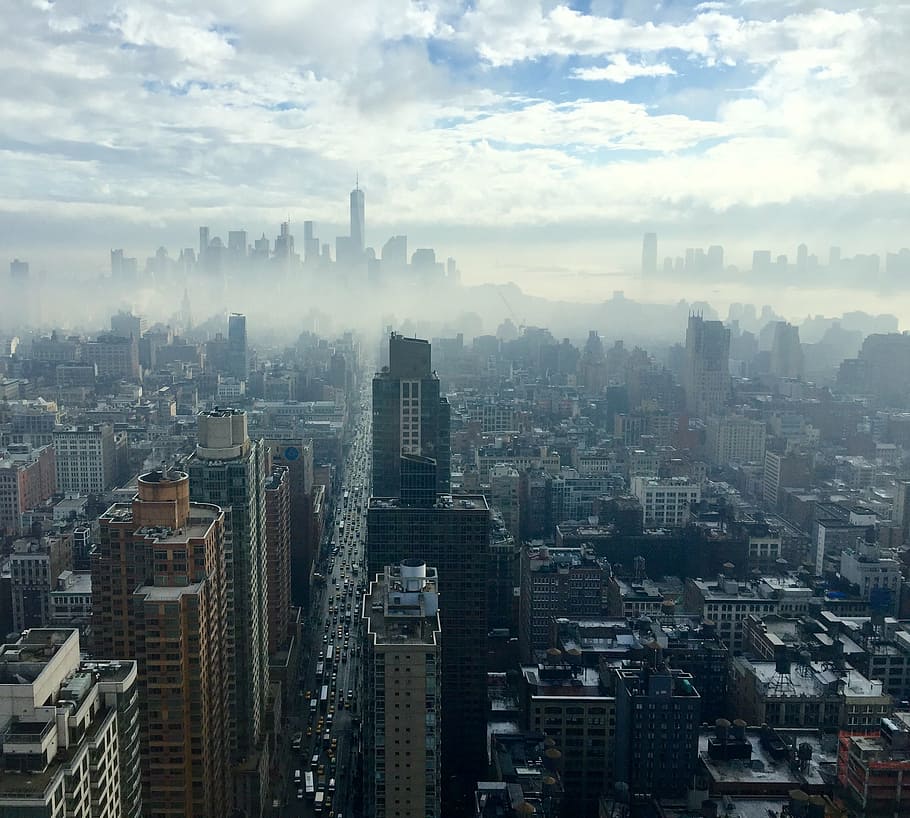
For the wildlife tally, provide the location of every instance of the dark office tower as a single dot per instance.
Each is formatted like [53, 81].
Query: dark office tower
[649, 254]
[454, 536]
[203, 242]
[116, 263]
[238, 353]
[228, 470]
[278, 554]
[409, 416]
[418, 480]
[658, 712]
[296, 455]
[707, 374]
[357, 221]
[159, 594]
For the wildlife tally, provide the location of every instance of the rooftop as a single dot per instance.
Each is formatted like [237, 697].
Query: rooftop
[474, 502]
[168, 593]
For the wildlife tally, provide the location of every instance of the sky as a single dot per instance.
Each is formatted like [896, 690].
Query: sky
[518, 136]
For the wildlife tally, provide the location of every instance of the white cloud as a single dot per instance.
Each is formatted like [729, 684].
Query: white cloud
[620, 71]
[163, 112]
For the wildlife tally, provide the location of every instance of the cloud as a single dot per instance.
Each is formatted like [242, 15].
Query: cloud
[620, 70]
[172, 113]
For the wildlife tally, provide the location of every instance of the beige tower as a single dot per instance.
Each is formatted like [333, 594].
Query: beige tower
[403, 679]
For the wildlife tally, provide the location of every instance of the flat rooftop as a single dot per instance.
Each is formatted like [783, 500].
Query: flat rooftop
[765, 771]
[202, 515]
[168, 593]
[473, 502]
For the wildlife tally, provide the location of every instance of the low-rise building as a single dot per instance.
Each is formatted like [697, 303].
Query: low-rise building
[35, 565]
[666, 502]
[810, 694]
[571, 705]
[557, 582]
[874, 770]
[28, 477]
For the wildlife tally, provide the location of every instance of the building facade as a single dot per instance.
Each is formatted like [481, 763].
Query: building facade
[403, 677]
[454, 536]
[409, 417]
[278, 554]
[229, 470]
[71, 739]
[159, 594]
[85, 459]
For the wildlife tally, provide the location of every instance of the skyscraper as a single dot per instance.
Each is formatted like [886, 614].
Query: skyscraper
[203, 242]
[649, 254]
[409, 416]
[357, 221]
[453, 535]
[403, 675]
[228, 470]
[159, 594]
[278, 551]
[238, 352]
[707, 373]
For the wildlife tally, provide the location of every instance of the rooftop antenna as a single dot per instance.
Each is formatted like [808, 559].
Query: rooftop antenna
[357, 180]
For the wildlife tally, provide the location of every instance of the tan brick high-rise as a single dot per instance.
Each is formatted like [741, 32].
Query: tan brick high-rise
[158, 581]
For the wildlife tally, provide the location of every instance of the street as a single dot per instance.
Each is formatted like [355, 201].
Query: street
[326, 718]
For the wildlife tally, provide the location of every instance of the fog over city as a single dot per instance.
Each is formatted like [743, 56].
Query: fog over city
[455, 409]
[535, 142]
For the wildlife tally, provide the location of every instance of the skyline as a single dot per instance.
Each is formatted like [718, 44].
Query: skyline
[559, 128]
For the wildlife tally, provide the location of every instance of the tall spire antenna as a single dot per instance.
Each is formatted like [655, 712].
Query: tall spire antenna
[357, 181]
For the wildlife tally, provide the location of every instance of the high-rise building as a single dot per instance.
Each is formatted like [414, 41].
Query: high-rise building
[160, 594]
[115, 356]
[454, 536]
[127, 325]
[505, 495]
[786, 351]
[71, 737]
[238, 352]
[19, 269]
[236, 246]
[395, 255]
[404, 690]
[735, 439]
[278, 554]
[557, 582]
[409, 416]
[85, 459]
[203, 242]
[658, 713]
[229, 470]
[707, 374]
[296, 455]
[357, 221]
[310, 244]
[649, 254]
